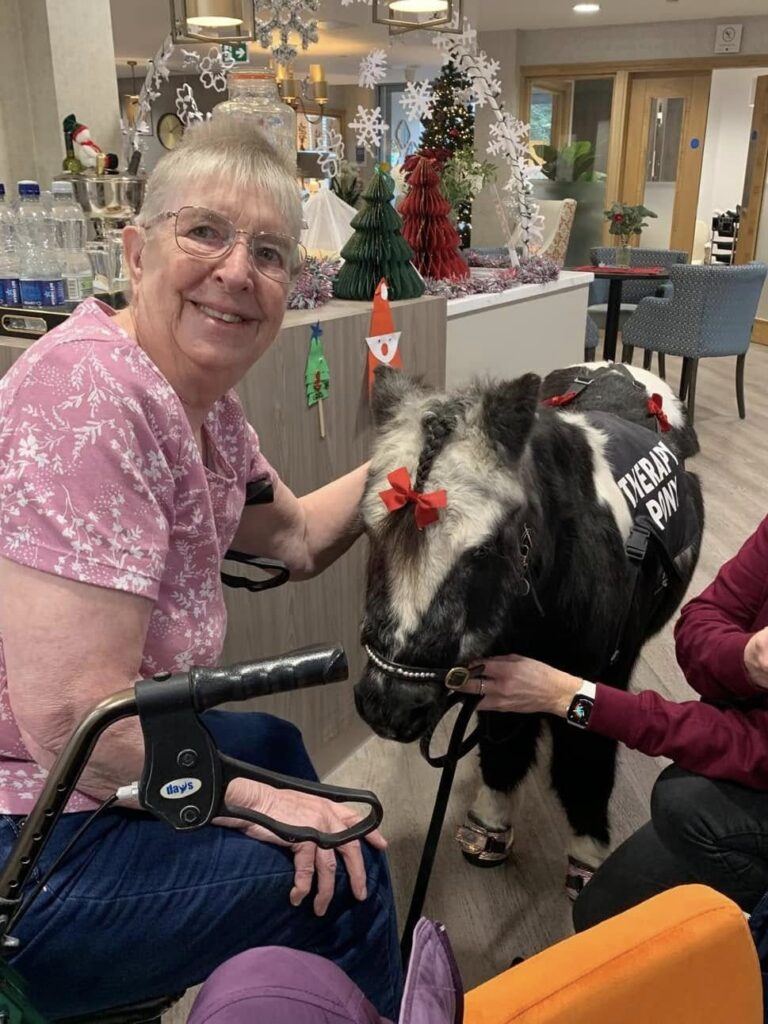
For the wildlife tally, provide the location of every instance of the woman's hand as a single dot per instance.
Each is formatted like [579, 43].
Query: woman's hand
[308, 859]
[756, 658]
[514, 683]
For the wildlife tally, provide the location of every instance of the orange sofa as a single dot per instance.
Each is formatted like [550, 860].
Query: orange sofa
[684, 957]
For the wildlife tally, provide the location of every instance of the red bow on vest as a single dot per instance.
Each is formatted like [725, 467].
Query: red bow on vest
[654, 406]
[402, 494]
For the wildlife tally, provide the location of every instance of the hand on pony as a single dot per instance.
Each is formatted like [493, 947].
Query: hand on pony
[514, 683]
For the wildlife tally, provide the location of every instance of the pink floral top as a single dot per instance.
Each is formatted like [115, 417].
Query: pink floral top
[101, 481]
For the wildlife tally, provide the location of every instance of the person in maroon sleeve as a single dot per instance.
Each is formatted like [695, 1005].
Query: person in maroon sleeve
[709, 809]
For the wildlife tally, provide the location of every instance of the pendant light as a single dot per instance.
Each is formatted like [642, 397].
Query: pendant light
[212, 21]
[411, 15]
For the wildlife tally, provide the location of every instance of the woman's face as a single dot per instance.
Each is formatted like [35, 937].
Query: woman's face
[178, 299]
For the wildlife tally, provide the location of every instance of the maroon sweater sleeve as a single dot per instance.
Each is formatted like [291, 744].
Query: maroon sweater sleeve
[713, 628]
[721, 744]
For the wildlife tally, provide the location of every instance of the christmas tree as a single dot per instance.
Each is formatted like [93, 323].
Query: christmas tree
[377, 249]
[426, 226]
[450, 127]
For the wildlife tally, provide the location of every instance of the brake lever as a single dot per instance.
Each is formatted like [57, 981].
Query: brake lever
[233, 769]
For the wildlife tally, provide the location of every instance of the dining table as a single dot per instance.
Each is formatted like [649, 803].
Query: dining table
[617, 276]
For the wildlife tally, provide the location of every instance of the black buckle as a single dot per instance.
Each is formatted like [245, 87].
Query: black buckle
[637, 543]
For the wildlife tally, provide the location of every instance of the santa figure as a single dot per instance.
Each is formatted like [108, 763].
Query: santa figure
[384, 341]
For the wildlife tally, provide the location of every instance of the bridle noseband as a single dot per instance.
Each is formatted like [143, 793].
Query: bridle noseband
[452, 678]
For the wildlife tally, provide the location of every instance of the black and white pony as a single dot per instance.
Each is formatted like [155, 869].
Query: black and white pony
[552, 489]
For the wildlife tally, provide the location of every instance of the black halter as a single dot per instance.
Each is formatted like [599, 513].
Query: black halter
[453, 678]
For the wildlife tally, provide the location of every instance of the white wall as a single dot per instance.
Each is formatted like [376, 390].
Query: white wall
[727, 140]
[668, 39]
[18, 158]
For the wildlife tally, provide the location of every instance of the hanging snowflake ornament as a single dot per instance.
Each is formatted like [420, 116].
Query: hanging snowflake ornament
[446, 41]
[509, 131]
[330, 162]
[212, 68]
[285, 18]
[416, 100]
[157, 73]
[186, 105]
[373, 69]
[369, 128]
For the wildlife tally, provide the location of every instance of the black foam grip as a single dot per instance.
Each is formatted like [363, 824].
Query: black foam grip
[309, 666]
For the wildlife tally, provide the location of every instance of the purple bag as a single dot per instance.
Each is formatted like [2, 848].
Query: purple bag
[286, 986]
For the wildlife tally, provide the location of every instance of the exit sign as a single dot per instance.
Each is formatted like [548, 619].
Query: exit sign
[238, 52]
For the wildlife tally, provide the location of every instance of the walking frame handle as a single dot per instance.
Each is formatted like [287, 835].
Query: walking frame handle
[185, 777]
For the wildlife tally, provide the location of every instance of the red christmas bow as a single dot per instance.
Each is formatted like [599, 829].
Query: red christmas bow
[654, 405]
[402, 494]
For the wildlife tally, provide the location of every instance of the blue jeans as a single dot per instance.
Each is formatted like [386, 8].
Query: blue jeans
[137, 911]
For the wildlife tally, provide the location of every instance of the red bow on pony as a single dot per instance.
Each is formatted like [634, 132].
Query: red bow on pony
[654, 404]
[402, 494]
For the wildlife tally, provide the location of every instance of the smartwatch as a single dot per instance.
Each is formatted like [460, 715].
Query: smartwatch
[580, 709]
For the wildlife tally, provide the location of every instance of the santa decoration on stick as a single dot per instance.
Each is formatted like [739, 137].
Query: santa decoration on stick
[383, 341]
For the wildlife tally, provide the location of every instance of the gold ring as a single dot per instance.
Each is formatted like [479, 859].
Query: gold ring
[481, 691]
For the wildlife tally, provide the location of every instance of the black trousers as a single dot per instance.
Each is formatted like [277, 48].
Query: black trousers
[701, 830]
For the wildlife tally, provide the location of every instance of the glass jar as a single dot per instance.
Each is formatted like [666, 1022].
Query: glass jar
[253, 96]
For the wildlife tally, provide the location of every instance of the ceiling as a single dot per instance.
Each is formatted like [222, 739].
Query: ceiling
[346, 33]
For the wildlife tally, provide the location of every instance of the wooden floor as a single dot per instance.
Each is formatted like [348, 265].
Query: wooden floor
[495, 915]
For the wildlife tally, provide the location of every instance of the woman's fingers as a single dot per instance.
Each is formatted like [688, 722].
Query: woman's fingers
[325, 866]
[303, 871]
[352, 856]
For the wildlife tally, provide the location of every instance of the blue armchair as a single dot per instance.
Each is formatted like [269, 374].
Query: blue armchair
[591, 339]
[709, 313]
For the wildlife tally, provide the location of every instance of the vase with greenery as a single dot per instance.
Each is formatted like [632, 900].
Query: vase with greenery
[624, 222]
[462, 177]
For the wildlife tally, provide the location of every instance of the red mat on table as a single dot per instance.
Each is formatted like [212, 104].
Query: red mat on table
[623, 270]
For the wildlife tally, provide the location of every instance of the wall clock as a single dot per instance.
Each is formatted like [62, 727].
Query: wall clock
[170, 130]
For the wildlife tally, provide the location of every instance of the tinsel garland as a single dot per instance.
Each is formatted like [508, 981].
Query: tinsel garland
[488, 260]
[314, 285]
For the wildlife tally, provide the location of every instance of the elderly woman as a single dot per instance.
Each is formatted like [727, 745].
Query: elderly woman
[124, 458]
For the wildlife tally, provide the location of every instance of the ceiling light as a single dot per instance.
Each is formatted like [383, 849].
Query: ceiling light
[213, 13]
[410, 15]
[215, 21]
[419, 6]
[586, 8]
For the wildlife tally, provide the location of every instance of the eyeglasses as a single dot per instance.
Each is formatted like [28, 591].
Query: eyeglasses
[210, 236]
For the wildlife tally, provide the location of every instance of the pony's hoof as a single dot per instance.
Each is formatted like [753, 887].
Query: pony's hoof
[484, 847]
[579, 874]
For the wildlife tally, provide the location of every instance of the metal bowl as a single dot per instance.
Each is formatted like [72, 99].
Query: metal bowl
[110, 196]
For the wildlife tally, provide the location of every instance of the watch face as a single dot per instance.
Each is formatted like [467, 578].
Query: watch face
[580, 710]
[170, 131]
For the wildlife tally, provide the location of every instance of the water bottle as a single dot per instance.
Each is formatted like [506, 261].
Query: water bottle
[71, 234]
[9, 265]
[40, 280]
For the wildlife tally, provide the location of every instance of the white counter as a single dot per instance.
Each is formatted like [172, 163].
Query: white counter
[534, 327]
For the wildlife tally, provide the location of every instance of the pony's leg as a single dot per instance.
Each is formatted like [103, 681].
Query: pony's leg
[507, 752]
[583, 771]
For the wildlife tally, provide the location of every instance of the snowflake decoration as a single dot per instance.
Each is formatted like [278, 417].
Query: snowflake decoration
[447, 41]
[285, 17]
[369, 128]
[507, 133]
[484, 83]
[330, 162]
[212, 68]
[416, 100]
[157, 73]
[373, 69]
[348, 3]
[186, 105]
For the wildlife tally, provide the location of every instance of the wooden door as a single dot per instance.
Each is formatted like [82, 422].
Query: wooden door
[753, 224]
[665, 145]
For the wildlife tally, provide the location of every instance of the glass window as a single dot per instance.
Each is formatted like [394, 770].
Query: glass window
[570, 135]
[404, 134]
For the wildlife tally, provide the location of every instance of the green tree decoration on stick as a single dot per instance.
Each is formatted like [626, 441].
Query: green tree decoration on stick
[377, 249]
[317, 376]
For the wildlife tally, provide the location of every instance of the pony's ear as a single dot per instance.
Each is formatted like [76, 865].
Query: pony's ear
[390, 389]
[508, 412]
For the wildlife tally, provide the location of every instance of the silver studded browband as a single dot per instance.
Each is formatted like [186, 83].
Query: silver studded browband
[452, 677]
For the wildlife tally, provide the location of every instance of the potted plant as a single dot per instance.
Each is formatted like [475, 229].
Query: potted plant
[626, 221]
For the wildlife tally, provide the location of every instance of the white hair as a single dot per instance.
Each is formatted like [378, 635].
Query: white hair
[229, 150]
